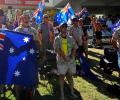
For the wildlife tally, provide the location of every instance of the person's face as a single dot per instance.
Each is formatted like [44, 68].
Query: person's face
[63, 30]
[75, 22]
[25, 20]
[1, 18]
[46, 19]
[33, 20]
[80, 22]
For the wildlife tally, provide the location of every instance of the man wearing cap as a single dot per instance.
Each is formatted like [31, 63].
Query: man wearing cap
[65, 49]
[77, 33]
[45, 36]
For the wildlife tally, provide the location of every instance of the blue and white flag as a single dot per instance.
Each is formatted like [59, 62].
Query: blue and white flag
[116, 26]
[38, 14]
[18, 63]
[83, 13]
[64, 15]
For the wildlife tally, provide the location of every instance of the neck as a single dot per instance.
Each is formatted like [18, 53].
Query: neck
[25, 26]
[63, 35]
[75, 26]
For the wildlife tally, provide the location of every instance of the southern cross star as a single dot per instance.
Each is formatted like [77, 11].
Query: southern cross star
[26, 39]
[32, 51]
[24, 58]
[17, 73]
[11, 50]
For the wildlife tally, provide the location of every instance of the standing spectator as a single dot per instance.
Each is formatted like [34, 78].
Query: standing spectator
[33, 23]
[77, 33]
[56, 28]
[116, 44]
[97, 29]
[85, 37]
[17, 18]
[45, 36]
[65, 49]
[109, 23]
[25, 27]
[2, 26]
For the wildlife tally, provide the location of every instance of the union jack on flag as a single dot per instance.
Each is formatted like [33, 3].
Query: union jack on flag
[2, 37]
[38, 12]
[64, 15]
[18, 64]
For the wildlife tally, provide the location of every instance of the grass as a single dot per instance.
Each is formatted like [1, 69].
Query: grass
[85, 88]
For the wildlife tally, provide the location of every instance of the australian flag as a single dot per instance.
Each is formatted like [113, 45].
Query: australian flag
[64, 15]
[116, 26]
[38, 12]
[18, 63]
[83, 13]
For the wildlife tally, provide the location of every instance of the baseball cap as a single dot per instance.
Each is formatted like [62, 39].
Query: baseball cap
[74, 19]
[63, 25]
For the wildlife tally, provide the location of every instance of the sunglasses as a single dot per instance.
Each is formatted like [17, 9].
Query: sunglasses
[64, 26]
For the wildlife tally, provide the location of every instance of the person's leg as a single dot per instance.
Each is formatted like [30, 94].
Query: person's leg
[86, 50]
[70, 81]
[69, 76]
[61, 82]
[62, 69]
[71, 84]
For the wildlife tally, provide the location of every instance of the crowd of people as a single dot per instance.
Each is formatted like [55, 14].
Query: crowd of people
[66, 40]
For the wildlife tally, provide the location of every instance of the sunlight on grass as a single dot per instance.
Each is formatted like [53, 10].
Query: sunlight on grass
[88, 89]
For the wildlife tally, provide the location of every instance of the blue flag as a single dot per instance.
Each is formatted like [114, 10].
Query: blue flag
[18, 59]
[38, 13]
[116, 26]
[83, 13]
[64, 15]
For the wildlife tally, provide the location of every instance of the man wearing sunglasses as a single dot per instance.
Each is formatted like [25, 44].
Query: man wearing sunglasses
[65, 49]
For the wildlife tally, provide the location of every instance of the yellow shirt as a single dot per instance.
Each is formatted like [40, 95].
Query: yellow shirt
[64, 46]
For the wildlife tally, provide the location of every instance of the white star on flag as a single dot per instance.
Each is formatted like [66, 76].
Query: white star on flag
[32, 51]
[24, 58]
[11, 50]
[17, 73]
[26, 39]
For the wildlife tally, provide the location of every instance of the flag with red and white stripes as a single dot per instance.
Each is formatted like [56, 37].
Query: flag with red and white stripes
[2, 37]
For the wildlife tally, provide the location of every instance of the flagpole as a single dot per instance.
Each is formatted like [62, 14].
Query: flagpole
[76, 5]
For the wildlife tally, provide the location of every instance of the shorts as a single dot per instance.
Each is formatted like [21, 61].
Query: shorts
[66, 67]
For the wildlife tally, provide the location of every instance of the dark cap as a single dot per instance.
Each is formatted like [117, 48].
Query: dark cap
[63, 25]
[75, 19]
[1, 12]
